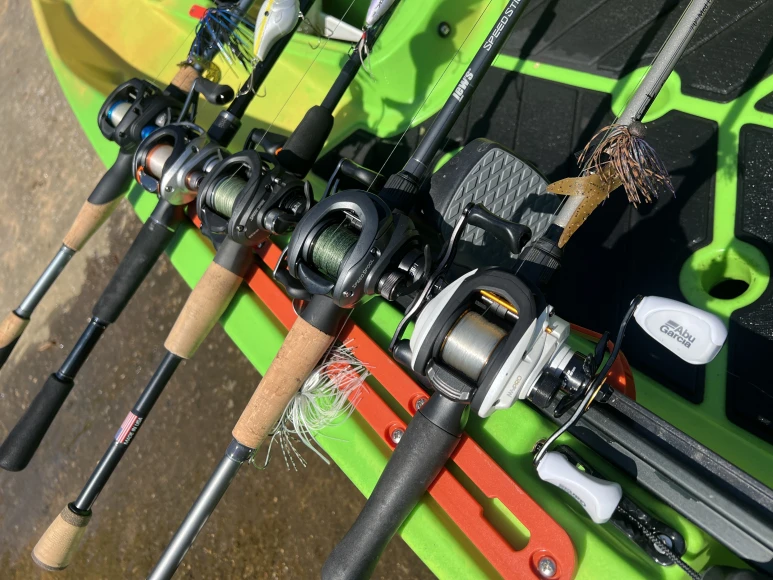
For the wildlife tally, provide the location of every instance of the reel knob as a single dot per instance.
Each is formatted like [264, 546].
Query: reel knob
[598, 497]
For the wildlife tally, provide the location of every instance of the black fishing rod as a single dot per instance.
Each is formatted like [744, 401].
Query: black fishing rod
[133, 110]
[351, 244]
[24, 439]
[226, 202]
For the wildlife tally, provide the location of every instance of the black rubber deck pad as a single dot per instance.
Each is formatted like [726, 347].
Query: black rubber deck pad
[730, 52]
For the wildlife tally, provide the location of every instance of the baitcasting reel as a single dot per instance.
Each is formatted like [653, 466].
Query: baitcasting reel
[489, 339]
[246, 200]
[173, 161]
[352, 245]
[495, 306]
[134, 110]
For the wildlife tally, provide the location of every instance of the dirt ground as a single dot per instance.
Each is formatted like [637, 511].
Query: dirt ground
[280, 524]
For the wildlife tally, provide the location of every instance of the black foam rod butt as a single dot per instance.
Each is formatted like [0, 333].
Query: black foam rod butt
[134, 267]
[6, 351]
[305, 144]
[423, 450]
[22, 442]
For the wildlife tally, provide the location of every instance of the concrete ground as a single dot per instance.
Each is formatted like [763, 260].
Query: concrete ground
[279, 524]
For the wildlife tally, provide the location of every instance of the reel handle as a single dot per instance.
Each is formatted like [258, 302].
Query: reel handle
[514, 235]
[428, 442]
[692, 334]
[214, 93]
[270, 142]
[598, 497]
[373, 180]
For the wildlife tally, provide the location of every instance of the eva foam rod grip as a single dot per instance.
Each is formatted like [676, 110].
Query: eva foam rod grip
[135, 266]
[304, 145]
[10, 330]
[23, 440]
[204, 307]
[61, 540]
[102, 202]
[416, 462]
[301, 351]
[597, 496]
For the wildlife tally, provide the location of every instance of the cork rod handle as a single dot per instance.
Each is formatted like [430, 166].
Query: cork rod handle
[202, 310]
[301, 351]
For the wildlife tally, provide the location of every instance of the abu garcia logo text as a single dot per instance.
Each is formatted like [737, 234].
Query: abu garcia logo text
[678, 332]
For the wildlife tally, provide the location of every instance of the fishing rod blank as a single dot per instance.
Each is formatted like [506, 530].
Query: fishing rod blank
[337, 259]
[23, 440]
[128, 115]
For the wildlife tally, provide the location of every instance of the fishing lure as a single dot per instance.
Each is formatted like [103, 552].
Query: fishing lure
[618, 154]
[326, 398]
[275, 20]
[227, 30]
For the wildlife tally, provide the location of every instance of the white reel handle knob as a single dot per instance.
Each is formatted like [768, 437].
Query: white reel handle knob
[597, 496]
[692, 334]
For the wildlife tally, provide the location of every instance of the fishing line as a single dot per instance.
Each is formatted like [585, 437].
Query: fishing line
[429, 94]
[469, 344]
[311, 64]
[331, 248]
[224, 195]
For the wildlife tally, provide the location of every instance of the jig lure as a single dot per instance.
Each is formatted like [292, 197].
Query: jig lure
[327, 397]
[618, 154]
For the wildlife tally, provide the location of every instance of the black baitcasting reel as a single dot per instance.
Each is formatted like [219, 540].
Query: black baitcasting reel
[135, 109]
[246, 200]
[352, 245]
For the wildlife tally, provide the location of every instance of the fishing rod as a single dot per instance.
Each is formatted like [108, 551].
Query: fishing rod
[617, 155]
[22, 442]
[133, 110]
[241, 200]
[350, 245]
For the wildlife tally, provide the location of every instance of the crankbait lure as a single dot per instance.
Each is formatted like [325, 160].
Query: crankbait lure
[275, 20]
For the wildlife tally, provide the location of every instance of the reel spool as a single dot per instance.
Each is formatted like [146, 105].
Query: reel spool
[173, 161]
[245, 200]
[470, 340]
[351, 245]
[134, 110]
[470, 344]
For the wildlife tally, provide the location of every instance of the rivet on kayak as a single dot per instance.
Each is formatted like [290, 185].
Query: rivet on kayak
[547, 567]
